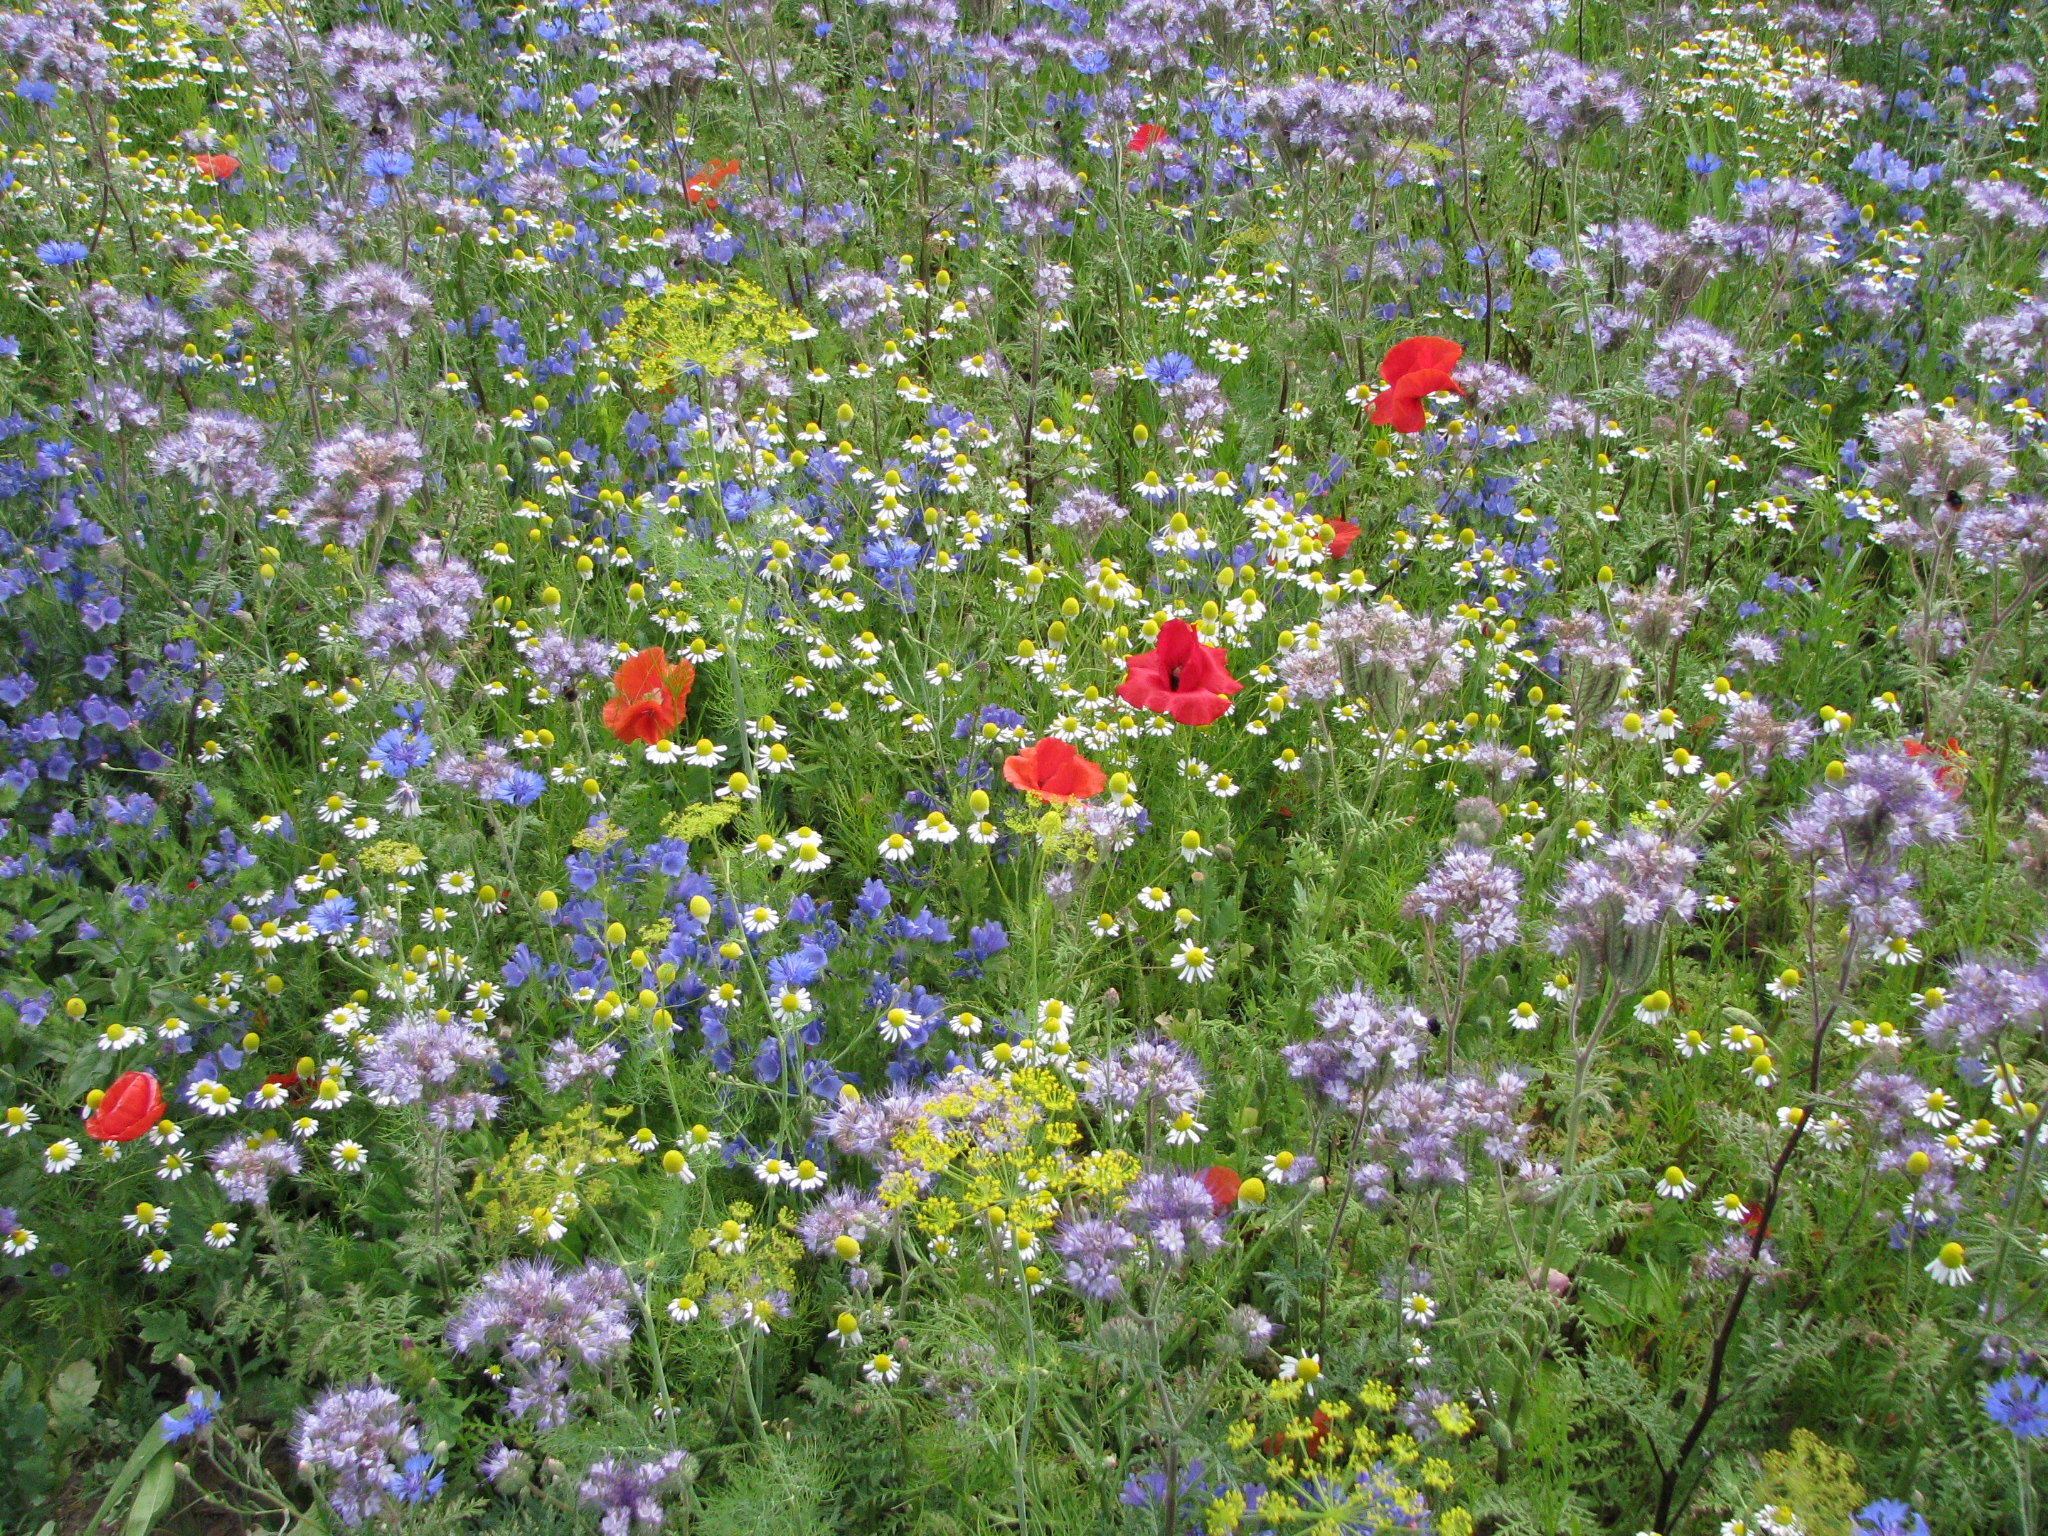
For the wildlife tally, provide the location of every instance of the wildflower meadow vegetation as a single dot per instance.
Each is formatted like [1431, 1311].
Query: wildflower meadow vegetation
[984, 766]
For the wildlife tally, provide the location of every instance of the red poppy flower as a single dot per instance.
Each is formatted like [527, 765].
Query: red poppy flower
[702, 184]
[1147, 135]
[133, 1104]
[1950, 774]
[1223, 1184]
[1753, 1219]
[1413, 370]
[648, 697]
[217, 167]
[1180, 677]
[1054, 772]
[1342, 533]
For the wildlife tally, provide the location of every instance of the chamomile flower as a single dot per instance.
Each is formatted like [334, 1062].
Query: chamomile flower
[1731, 1207]
[1654, 1007]
[1306, 1369]
[1418, 1310]
[1184, 1130]
[19, 1243]
[1785, 985]
[156, 1261]
[1524, 1016]
[348, 1157]
[1899, 950]
[883, 1370]
[1674, 1185]
[682, 1309]
[1948, 1267]
[1193, 963]
[1937, 1109]
[18, 1118]
[60, 1156]
[1155, 898]
[220, 1235]
[846, 1331]
[936, 828]
[147, 1218]
[896, 848]
[1833, 1131]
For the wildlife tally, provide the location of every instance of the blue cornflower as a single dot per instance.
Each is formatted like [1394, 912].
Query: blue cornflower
[1545, 258]
[411, 1484]
[1887, 1517]
[397, 752]
[1703, 165]
[200, 1405]
[41, 92]
[1170, 369]
[332, 916]
[2019, 1404]
[61, 253]
[522, 786]
[387, 162]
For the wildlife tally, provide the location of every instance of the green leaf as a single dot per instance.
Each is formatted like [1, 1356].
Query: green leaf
[71, 1394]
[152, 1495]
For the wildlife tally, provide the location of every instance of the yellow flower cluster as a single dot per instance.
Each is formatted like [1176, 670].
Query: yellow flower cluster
[744, 1270]
[1327, 1469]
[388, 856]
[702, 327]
[696, 821]
[997, 1156]
[543, 1182]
